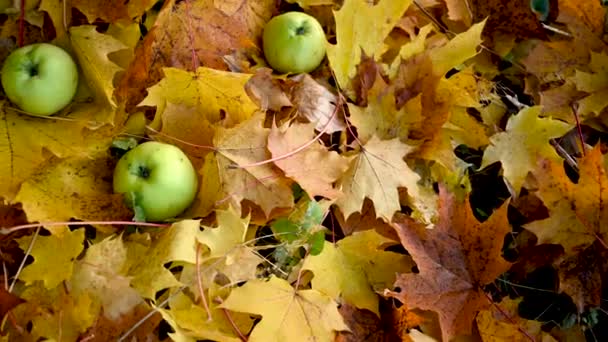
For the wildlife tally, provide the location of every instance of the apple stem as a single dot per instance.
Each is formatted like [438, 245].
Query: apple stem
[21, 24]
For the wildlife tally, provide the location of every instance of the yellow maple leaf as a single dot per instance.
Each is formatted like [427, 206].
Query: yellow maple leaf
[73, 188]
[502, 322]
[54, 314]
[525, 139]
[578, 213]
[595, 84]
[230, 232]
[228, 242]
[21, 155]
[360, 26]
[92, 49]
[228, 178]
[54, 257]
[380, 117]
[356, 267]
[176, 243]
[216, 95]
[377, 172]
[287, 314]
[101, 274]
[191, 321]
[459, 49]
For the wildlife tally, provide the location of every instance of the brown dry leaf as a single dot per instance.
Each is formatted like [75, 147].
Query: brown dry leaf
[315, 168]
[459, 11]
[317, 104]
[557, 102]
[552, 61]
[577, 211]
[227, 178]
[376, 172]
[7, 301]
[189, 34]
[581, 276]
[106, 329]
[267, 91]
[456, 260]
[510, 18]
[363, 324]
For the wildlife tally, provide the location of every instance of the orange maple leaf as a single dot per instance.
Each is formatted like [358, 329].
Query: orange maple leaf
[455, 260]
[578, 211]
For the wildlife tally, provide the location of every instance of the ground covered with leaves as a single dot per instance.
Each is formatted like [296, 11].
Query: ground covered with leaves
[441, 176]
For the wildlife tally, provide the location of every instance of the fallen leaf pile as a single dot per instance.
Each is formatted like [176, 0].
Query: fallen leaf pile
[441, 176]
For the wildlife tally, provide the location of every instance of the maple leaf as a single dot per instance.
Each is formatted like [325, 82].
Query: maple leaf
[315, 168]
[73, 188]
[581, 275]
[200, 28]
[381, 117]
[190, 105]
[230, 232]
[316, 103]
[7, 302]
[92, 49]
[267, 91]
[287, 314]
[356, 268]
[106, 329]
[54, 257]
[594, 83]
[53, 314]
[121, 12]
[227, 177]
[361, 28]
[20, 155]
[190, 321]
[459, 11]
[213, 93]
[101, 273]
[458, 50]
[376, 172]
[525, 139]
[176, 243]
[522, 22]
[500, 322]
[577, 213]
[456, 260]
[228, 242]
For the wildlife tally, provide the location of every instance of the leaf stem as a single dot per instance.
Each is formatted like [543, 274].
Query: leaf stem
[6, 231]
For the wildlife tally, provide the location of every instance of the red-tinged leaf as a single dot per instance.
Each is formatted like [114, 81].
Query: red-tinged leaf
[456, 260]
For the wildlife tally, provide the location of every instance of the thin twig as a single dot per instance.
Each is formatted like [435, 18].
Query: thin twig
[27, 252]
[232, 323]
[199, 282]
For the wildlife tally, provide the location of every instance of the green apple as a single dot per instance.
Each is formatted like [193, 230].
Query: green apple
[294, 42]
[40, 78]
[157, 179]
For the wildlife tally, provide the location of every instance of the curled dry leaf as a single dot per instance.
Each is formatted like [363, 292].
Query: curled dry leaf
[317, 104]
[266, 91]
